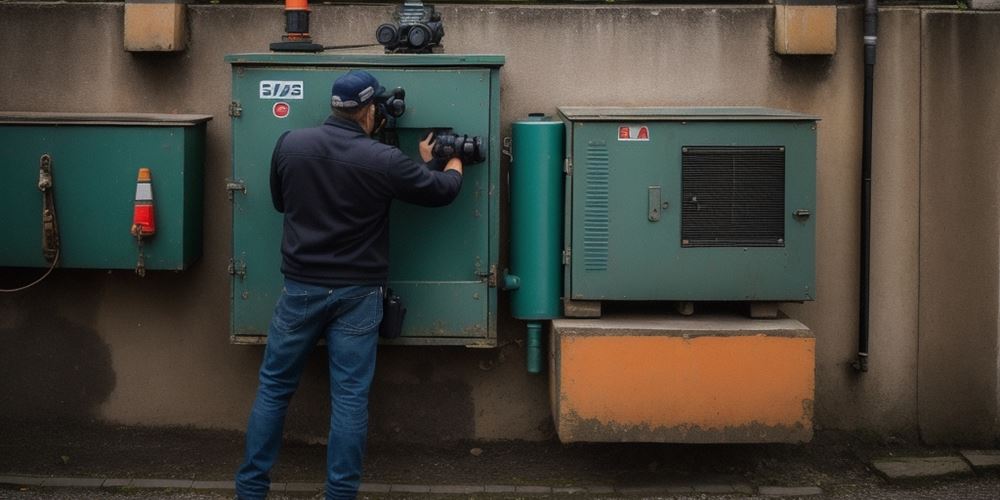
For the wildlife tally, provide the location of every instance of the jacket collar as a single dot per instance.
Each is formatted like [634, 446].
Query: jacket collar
[344, 124]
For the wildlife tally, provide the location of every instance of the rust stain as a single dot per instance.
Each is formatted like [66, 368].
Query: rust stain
[708, 383]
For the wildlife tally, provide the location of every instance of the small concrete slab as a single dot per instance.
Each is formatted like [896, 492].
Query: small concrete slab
[500, 488]
[374, 488]
[715, 489]
[162, 483]
[116, 483]
[213, 485]
[909, 468]
[410, 488]
[74, 482]
[603, 490]
[457, 489]
[22, 480]
[571, 490]
[304, 486]
[982, 459]
[542, 490]
[790, 491]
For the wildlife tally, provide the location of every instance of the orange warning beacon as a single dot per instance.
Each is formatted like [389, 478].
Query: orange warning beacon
[143, 221]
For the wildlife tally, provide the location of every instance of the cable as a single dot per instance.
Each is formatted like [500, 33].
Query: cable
[39, 280]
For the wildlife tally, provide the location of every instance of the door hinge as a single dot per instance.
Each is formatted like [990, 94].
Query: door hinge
[568, 166]
[235, 185]
[491, 277]
[235, 110]
[237, 267]
[566, 254]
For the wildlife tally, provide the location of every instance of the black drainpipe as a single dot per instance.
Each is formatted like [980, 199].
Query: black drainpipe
[871, 36]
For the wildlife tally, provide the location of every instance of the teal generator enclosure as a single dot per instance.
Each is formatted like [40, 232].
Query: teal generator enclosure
[93, 162]
[443, 260]
[689, 204]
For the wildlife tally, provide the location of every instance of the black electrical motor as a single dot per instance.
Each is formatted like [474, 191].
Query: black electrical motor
[417, 29]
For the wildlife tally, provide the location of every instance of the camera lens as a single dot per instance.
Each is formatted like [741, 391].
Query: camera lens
[386, 34]
[418, 36]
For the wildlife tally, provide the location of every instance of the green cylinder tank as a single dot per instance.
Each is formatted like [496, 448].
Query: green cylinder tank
[536, 221]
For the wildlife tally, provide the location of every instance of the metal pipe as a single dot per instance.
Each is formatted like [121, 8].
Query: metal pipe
[533, 347]
[870, 39]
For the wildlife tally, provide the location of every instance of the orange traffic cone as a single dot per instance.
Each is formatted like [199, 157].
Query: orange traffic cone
[143, 221]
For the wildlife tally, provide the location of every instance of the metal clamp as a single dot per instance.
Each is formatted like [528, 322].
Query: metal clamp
[50, 225]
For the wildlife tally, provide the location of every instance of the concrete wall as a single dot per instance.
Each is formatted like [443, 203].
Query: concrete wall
[156, 351]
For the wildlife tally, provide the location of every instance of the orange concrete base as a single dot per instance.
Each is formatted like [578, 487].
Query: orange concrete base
[682, 380]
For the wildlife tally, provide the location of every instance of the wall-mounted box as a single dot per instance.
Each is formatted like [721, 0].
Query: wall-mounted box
[155, 26]
[690, 204]
[95, 161]
[805, 29]
[443, 260]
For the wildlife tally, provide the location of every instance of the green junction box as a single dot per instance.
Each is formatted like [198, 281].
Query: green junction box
[443, 260]
[690, 204]
[95, 160]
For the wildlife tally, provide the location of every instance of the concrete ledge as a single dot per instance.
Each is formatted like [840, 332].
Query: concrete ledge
[981, 460]
[915, 468]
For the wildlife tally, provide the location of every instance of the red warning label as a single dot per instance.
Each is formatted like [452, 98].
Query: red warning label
[633, 133]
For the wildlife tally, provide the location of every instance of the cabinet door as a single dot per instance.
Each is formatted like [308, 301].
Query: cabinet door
[437, 255]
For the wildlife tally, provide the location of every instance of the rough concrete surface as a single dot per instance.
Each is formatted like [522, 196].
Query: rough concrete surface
[982, 459]
[908, 468]
[156, 351]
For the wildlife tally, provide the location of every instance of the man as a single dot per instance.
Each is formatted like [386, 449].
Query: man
[334, 185]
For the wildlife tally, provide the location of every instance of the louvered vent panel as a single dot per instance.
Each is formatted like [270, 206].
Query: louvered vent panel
[733, 196]
[595, 211]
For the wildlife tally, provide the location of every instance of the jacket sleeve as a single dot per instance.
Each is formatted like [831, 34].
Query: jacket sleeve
[415, 183]
[276, 197]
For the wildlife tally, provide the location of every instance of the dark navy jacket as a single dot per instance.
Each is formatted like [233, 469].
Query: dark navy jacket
[335, 185]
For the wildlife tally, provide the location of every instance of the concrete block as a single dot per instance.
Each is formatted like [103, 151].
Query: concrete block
[410, 488]
[456, 489]
[499, 488]
[600, 490]
[714, 489]
[74, 482]
[984, 4]
[687, 380]
[790, 491]
[213, 485]
[982, 459]
[541, 490]
[569, 491]
[299, 487]
[162, 483]
[22, 480]
[155, 27]
[116, 483]
[374, 488]
[905, 468]
[805, 29]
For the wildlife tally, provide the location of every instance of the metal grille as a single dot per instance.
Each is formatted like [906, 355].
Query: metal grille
[733, 196]
[595, 212]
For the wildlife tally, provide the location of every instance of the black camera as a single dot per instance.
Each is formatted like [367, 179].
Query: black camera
[468, 149]
[388, 107]
[417, 29]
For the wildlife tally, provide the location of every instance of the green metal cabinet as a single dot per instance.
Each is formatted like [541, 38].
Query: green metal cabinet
[693, 204]
[443, 260]
[95, 161]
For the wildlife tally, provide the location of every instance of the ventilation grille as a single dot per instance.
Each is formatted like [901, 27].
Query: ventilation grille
[595, 211]
[733, 196]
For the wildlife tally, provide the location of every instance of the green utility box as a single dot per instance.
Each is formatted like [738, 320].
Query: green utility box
[443, 260]
[690, 204]
[95, 159]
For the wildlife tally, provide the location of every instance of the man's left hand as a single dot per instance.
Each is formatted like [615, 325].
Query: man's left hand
[426, 146]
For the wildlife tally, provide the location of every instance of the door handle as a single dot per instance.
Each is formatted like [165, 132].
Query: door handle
[656, 205]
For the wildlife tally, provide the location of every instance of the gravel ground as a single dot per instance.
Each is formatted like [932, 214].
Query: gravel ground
[836, 462]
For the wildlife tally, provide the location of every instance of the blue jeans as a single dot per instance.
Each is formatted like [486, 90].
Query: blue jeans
[348, 318]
